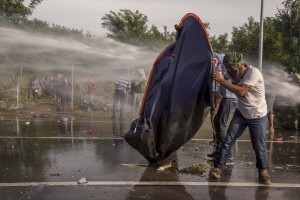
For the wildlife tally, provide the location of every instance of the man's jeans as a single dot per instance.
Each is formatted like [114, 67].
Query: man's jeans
[257, 128]
[227, 105]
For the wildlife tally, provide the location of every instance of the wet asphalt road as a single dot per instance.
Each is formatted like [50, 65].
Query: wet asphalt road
[45, 159]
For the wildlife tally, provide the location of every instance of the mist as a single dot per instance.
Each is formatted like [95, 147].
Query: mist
[104, 58]
[278, 82]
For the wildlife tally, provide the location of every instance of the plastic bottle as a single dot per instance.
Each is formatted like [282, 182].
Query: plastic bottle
[219, 69]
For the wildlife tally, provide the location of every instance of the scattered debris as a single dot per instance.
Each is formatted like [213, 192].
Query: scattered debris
[195, 169]
[82, 181]
[279, 139]
[43, 115]
[135, 165]
[56, 174]
[27, 123]
[278, 167]
[165, 166]
[196, 148]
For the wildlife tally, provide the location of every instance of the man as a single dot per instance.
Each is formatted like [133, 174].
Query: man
[270, 98]
[136, 92]
[90, 94]
[35, 86]
[227, 105]
[122, 86]
[248, 85]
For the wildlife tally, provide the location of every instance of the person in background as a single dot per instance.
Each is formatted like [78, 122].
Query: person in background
[136, 94]
[138, 86]
[213, 111]
[56, 84]
[227, 105]
[36, 86]
[248, 85]
[122, 86]
[65, 91]
[47, 84]
[270, 98]
[90, 94]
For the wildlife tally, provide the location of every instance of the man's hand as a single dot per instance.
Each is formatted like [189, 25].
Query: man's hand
[216, 63]
[219, 77]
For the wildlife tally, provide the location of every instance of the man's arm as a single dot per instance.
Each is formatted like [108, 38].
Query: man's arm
[238, 90]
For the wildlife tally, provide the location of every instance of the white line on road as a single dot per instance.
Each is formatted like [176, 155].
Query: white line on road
[117, 138]
[148, 183]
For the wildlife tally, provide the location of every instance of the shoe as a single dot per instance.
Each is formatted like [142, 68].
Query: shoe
[213, 154]
[215, 173]
[264, 177]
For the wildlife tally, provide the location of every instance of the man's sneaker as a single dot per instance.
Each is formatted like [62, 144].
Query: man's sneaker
[213, 154]
[215, 173]
[264, 177]
[230, 161]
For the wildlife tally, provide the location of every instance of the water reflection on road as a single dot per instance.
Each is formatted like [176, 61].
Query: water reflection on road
[67, 150]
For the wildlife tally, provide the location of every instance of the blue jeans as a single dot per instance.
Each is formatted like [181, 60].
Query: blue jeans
[227, 105]
[257, 128]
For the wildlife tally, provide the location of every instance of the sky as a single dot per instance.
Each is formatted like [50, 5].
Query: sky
[221, 14]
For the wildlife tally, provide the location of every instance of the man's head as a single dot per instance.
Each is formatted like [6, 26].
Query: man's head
[234, 65]
[233, 61]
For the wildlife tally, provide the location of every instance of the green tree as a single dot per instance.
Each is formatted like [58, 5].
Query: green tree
[16, 10]
[220, 43]
[245, 38]
[272, 45]
[126, 26]
[131, 28]
[288, 24]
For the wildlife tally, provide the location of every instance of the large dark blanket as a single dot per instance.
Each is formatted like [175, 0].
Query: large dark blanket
[177, 98]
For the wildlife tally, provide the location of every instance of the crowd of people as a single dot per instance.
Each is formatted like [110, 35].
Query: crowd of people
[58, 87]
[130, 91]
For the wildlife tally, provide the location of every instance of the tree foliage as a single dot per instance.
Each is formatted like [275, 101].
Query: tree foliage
[272, 46]
[220, 43]
[245, 38]
[131, 27]
[288, 24]
[125, 26]
[16, 10]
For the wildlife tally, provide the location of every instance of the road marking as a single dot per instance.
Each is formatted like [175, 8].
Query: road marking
[68, 138]
[287, 141]
[118, 138]
[148, 183]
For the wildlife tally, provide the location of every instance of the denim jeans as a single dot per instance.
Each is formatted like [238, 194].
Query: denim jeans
[257, 128]
[120, 97]
[227, 105]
